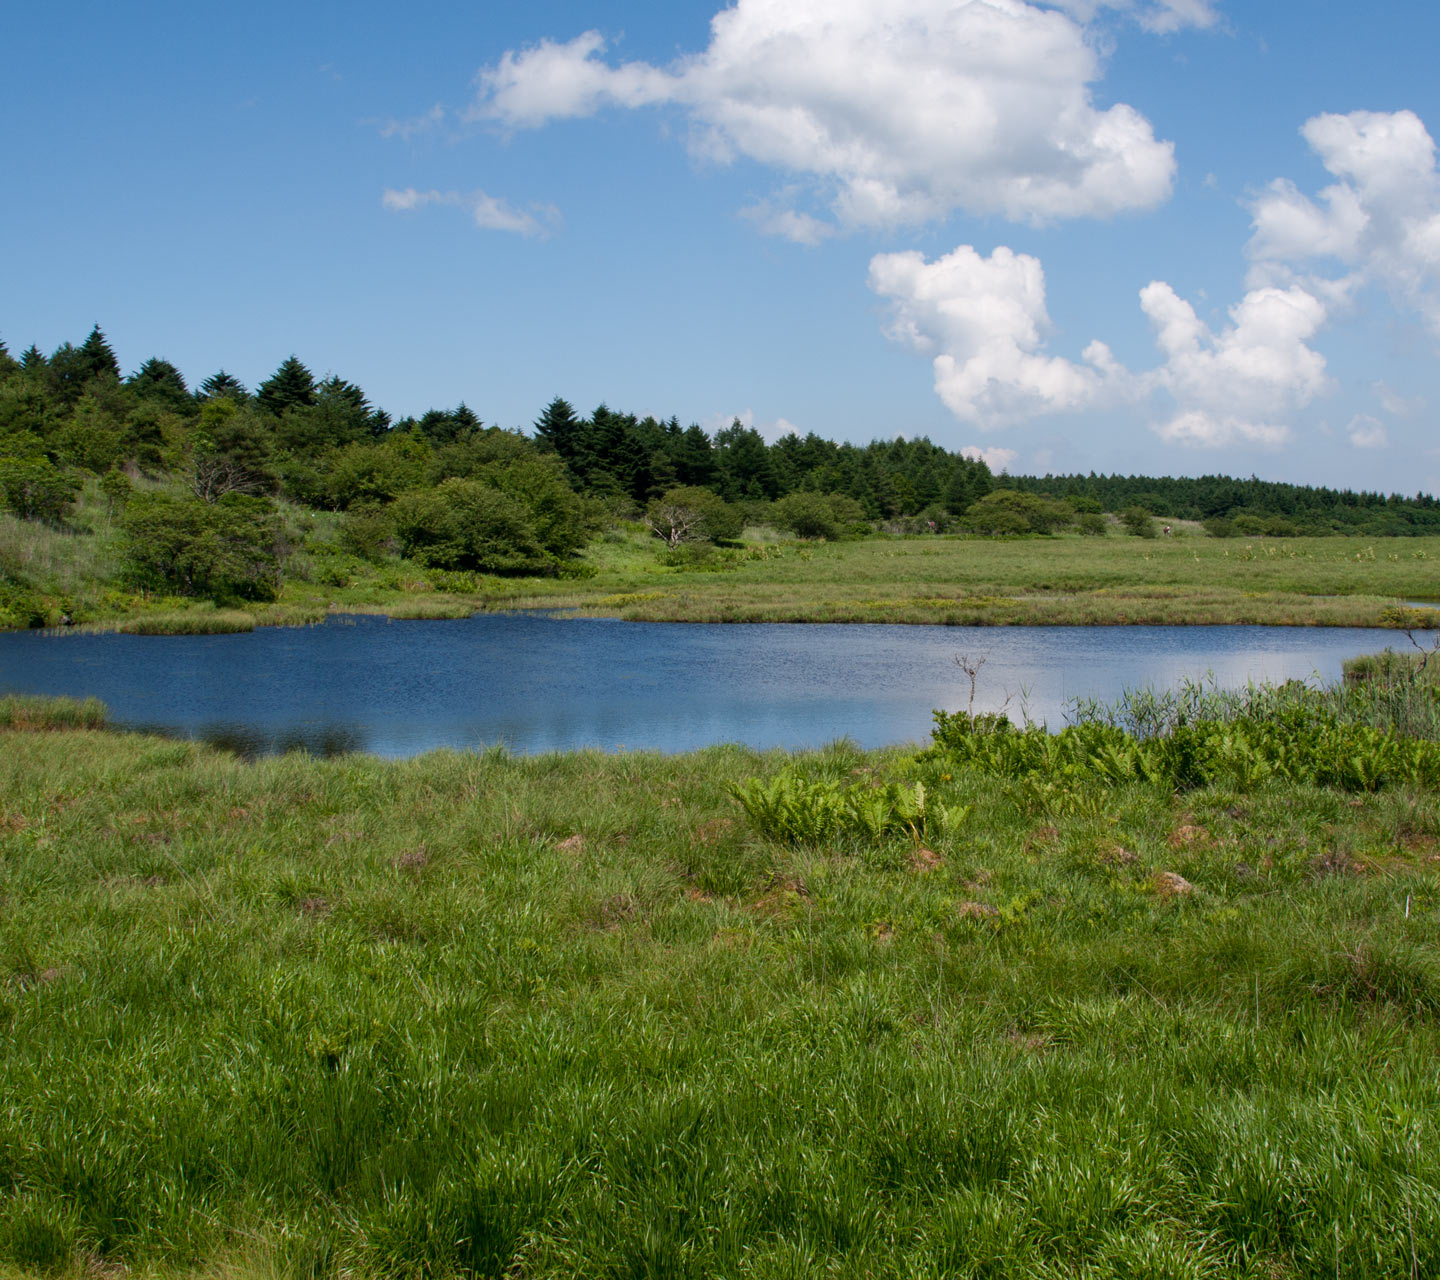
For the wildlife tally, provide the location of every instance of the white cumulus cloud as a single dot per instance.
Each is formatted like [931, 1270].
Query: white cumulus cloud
[1380, 221]
[896, 113]
[984, 324]
[1242, 384]
[489, 213]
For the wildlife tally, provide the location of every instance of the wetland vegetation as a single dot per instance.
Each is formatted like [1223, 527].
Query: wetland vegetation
[589, 1014]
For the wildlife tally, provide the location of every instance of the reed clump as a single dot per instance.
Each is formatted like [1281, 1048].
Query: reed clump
[413, 610]
[32, 711]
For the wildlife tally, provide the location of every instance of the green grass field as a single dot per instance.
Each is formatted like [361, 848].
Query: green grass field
[480, 1015]
[1066, 580]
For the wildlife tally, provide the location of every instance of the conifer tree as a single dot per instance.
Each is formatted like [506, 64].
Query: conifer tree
[223, 384]
[161, 381]
[560, 429]
[346, 413]
[97, 359]
[291, 386]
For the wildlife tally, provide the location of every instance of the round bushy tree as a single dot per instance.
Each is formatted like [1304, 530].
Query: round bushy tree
[222, 551]
[1015, 511]
[691, 514]
[464, 524]
[806, 515]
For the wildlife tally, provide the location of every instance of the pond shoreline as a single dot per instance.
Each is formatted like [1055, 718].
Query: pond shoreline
[546, 681]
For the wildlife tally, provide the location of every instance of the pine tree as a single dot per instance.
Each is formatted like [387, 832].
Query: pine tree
[744, 464]
[291, 386]
[560, 429]
[694, 458]
[161, 381]
[97, 358]
[223, 384]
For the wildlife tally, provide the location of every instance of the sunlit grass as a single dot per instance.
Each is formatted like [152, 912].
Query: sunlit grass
[979, 581]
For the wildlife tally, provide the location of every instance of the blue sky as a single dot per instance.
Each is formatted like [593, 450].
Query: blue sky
[1171, 236]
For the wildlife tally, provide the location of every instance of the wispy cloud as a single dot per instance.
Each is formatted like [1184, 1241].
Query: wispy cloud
[489, 213]
[1366, 432]
[415, 125]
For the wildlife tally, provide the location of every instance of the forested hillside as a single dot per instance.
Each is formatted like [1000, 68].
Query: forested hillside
[201, 487]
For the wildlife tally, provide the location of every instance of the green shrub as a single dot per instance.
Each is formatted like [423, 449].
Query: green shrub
[1013, 511]
[1139, 522]
[222, 551]
[116, 487]
[368, 531]
[807, 515]
[465, 524]
[34, 488]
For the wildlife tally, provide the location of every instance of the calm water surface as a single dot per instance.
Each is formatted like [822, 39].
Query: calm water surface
[539, 683]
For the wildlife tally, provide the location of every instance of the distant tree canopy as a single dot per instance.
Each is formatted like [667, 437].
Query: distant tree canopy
[1266, 506]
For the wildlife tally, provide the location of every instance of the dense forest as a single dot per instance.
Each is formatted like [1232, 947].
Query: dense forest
[197, 477]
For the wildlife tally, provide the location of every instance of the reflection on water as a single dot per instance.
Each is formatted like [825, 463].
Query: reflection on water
[250, 742]
[537, 683]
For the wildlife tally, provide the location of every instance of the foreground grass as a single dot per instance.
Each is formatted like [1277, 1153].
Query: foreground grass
[568, 1015]
[1065, 580]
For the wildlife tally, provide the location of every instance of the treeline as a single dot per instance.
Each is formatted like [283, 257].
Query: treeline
[1246, 507]
[617, 455]
[194, 474]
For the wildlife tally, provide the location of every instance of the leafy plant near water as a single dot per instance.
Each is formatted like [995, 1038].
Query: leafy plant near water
[1197, 737]
[795, 811]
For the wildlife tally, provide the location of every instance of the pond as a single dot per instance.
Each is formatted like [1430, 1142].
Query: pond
[539, 683]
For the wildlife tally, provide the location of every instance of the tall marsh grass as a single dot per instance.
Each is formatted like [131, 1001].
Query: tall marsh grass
[186, 622]
[32, 711]
[1392, 692]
